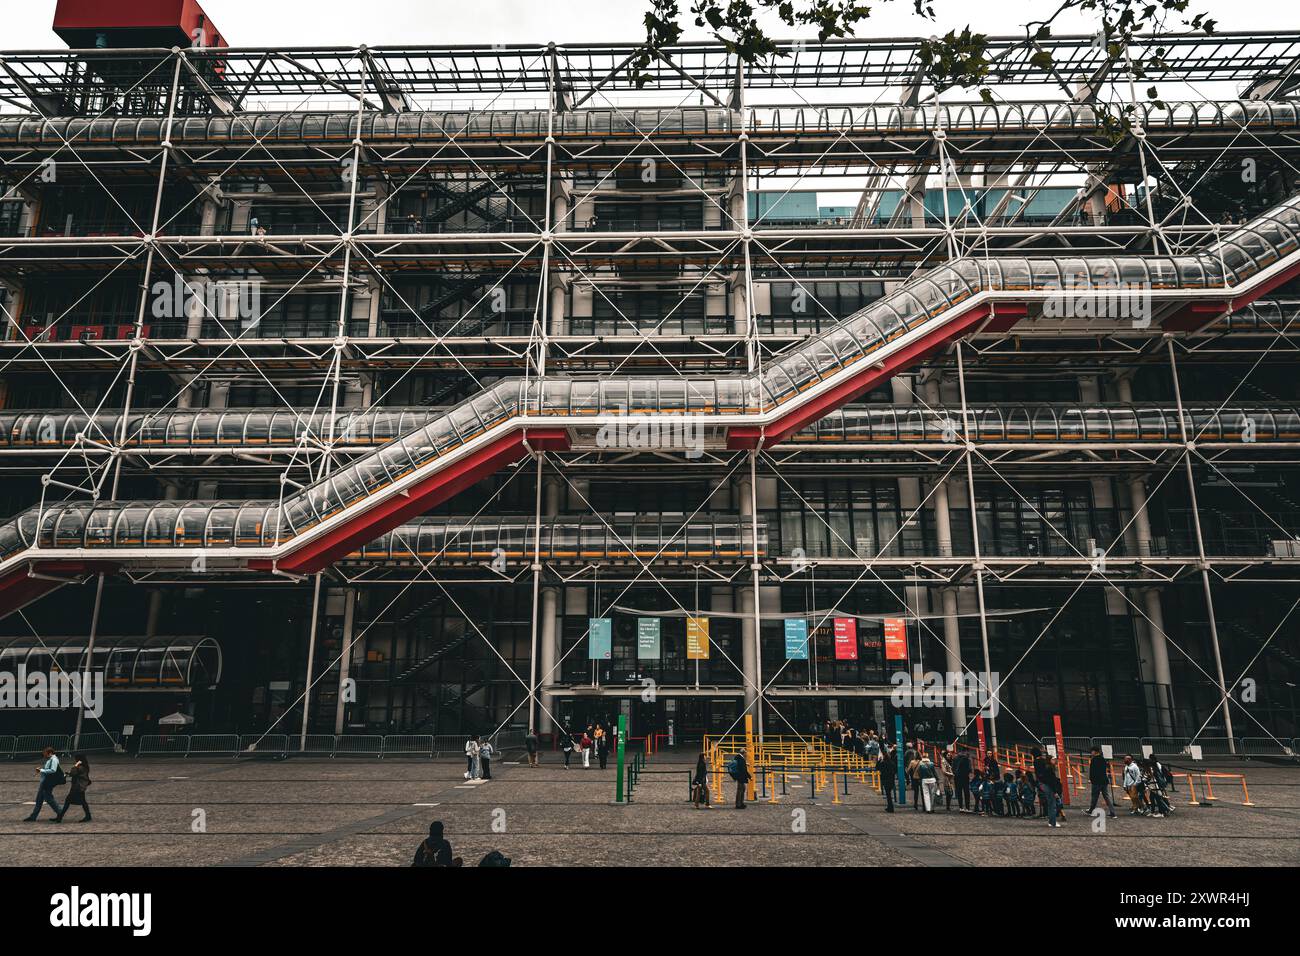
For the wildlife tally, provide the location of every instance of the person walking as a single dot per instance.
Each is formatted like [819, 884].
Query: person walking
[51, 776]
[1099, 778]
[700, 784]
[471, 758]
[888, 767]
[961, 769]
[80, 775]
[1154, 793]
[566, 746]
[585, 743]
[530, 745]
[1132, 784]
[485, 754]
[602, 747]
[740, 773]
[1045, 774]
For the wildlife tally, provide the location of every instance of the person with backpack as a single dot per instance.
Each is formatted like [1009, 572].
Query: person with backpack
[434, 851]
[51, 776]
[740, 773]
[1154, 792]
[485, 754]
[530, 745]
[888, 767]
[566, 745]
[700, 784]
[1099, 778]
[80, 775]
[929, 781]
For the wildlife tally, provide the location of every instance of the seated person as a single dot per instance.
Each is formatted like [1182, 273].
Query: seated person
[434, 850]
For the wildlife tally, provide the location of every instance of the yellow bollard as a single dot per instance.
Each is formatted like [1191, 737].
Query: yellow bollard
[835, 791]
[771, 787]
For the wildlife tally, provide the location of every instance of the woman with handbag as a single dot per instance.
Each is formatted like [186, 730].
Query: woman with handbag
[80, 775]
[700, 784]
[51, 777]
[585, 743]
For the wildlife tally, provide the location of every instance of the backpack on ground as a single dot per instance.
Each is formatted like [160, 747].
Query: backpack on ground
[495, 858]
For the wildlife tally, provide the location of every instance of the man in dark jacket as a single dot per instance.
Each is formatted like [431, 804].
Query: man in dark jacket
[961, 780]
[1099, 777]
[889, 775]
[741, 776]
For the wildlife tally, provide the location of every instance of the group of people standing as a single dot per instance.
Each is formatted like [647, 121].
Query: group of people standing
[994, 790]
[478, 759]
[52, 775]
[594, 739]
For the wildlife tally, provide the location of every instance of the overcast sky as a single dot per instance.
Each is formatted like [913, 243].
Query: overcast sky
[25, 24]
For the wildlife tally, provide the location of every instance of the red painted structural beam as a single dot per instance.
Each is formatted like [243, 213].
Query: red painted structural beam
[1196, 315]
[748, 436]
[338, 542]
[18, 588]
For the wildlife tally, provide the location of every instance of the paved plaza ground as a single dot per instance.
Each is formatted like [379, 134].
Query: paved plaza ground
[374, 813]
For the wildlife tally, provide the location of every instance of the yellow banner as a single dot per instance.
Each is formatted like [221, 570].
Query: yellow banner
[697, 638]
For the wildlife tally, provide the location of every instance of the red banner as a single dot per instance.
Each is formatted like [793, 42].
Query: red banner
[979, 733]
[846, 639]
[1062, 761]
[895, 639]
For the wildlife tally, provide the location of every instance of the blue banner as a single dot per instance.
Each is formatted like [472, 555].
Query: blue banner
[600, 647]
[796, 639]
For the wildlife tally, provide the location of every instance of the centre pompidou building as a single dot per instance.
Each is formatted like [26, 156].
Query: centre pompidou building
[436, 390]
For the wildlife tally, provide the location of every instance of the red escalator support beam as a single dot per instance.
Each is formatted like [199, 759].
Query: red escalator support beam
[344, 539]
[18, 588]
[1197, 315]
[746, 437]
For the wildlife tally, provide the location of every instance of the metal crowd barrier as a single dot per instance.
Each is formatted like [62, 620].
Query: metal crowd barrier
[313, 745]
[1180, 746]
[212, 744]
[7, 747]
[153, 745]
[99, 742]
[359, 745]
[398, 745]
[26, 745]
[263, 745]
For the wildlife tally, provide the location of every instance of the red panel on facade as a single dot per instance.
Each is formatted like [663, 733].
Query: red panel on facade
[749, 437]
[129, 23]
[18, 588]
[437, 488]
